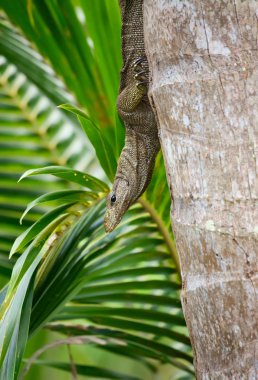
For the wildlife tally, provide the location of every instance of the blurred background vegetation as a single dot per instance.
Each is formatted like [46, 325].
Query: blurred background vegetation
[96, 305]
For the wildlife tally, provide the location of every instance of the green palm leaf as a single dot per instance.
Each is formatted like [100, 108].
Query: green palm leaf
[69, 276]
[81, 264]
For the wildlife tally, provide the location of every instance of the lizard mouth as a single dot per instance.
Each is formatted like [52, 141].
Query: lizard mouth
[111, 221]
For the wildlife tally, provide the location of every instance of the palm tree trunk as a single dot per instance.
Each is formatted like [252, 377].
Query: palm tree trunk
[203, 59]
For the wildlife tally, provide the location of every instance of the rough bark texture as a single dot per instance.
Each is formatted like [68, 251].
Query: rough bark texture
[203, 59]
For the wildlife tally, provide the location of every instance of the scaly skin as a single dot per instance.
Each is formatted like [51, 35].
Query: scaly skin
[137, 158]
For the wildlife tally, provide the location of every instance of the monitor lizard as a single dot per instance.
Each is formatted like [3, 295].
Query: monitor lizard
[137, 159]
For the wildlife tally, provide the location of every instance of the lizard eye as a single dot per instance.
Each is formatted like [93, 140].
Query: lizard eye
[113, 198]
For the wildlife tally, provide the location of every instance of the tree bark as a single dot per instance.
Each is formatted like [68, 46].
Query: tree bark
[204, 66]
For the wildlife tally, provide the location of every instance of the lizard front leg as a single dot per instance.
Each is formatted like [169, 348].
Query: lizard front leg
[132, 94]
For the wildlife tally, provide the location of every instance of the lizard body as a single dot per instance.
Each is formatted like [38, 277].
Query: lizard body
[137, 158]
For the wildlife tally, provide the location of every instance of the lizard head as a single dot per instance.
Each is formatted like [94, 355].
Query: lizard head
[118, 202]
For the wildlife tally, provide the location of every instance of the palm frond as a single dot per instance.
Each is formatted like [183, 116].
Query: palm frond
[33, 132]
[83, 264]
[119, 291]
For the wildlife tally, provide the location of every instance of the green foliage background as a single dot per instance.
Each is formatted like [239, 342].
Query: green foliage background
[108, 304]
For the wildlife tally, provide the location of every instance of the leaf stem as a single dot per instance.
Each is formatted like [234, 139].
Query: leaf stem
[73, 365]
[78, 340]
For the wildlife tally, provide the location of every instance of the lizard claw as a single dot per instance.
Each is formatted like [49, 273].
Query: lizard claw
[142, 86]
[141, 76]
[137, 63]
[138, 60]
